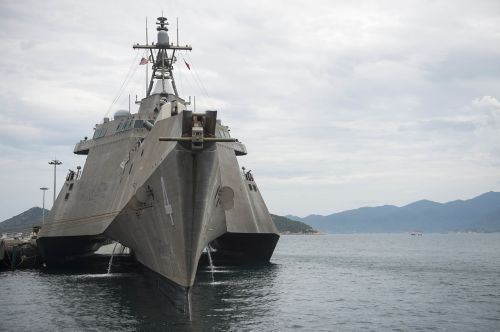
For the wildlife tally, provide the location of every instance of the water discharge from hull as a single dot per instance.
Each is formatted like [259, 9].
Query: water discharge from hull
[111, 259]
[212, 267]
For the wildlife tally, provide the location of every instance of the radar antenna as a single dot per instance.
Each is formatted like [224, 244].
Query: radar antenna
[164, 57]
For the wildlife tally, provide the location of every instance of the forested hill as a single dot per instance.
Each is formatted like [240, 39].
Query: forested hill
[288, 226]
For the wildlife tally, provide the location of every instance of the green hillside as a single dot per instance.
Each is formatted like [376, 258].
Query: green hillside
[285, 225]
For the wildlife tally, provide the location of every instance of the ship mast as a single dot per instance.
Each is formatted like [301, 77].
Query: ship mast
[164, 57]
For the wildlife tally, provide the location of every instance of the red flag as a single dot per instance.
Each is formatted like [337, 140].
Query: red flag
[187, 64]
[144, 61]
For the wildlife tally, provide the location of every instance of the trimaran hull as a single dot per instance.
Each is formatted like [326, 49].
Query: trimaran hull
[188, 202]
[164, 182]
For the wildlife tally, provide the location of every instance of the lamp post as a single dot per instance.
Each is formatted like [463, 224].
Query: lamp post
[55, 162]
[43, 189]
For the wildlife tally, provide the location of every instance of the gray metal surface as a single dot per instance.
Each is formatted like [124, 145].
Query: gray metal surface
[165, 200]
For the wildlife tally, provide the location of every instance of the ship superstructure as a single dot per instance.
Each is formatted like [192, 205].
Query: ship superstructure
[164, 182]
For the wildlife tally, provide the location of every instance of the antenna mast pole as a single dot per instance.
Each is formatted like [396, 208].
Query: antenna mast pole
[177, 30]
[163, 64]
[147, 65]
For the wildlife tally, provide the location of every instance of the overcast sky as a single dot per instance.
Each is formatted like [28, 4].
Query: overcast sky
[341, 104]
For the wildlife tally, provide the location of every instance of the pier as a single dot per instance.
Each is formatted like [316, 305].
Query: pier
[19, 253]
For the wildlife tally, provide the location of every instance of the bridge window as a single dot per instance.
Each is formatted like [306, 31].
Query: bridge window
[99, 132]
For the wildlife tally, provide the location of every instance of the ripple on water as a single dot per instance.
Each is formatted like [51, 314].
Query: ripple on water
[321, 283]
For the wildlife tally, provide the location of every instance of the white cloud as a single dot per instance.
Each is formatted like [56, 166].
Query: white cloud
[338, 103]
[487, 102]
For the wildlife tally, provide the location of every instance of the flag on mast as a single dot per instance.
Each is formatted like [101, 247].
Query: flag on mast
[144, 61]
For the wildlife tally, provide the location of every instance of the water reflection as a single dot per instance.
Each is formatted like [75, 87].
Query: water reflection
[324, 283]
[126, 300]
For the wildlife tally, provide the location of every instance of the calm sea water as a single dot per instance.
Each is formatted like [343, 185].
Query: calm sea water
[377, 282]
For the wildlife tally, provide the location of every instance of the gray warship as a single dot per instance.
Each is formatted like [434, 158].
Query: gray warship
[164, 182]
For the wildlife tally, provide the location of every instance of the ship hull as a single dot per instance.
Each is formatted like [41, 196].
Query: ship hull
[243, 248]
[184, 207]
[61, 249]
[165, 202]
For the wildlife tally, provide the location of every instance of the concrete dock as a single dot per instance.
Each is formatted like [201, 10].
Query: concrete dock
[19, 252]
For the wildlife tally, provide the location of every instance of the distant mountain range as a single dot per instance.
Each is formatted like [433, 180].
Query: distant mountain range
[479, 214]
[25, 221]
